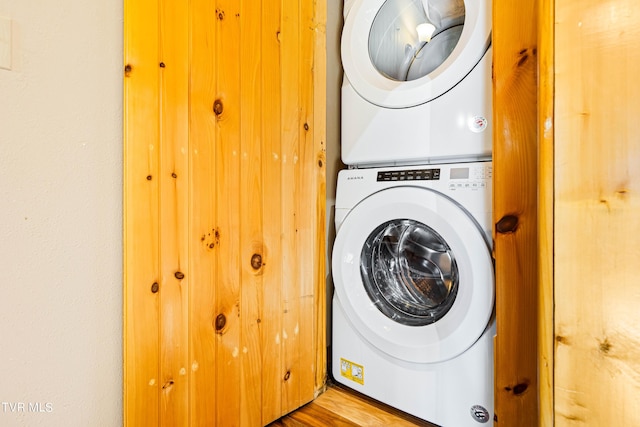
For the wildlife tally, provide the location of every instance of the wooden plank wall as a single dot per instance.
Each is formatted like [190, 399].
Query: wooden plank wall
[224, 220]
[597, 213]
[515, 38]
[546, 79]
[141, 257]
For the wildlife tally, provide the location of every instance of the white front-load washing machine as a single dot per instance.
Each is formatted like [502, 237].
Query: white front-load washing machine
[417, 81]
[412, 312]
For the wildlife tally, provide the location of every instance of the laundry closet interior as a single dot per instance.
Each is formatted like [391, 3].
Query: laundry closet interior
[235, 132]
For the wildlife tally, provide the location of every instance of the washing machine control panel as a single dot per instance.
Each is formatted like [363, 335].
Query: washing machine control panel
[469, 178]
[409, 175]
[460, 177]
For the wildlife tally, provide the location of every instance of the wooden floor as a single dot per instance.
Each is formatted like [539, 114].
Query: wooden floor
[341, 407]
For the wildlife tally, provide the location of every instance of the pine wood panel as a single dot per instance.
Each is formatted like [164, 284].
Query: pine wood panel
[226, 106]
[273, 214]
[597, 211]
[235, 191]
[291, 123]
[319, 130]
[141, 358]
[306, 332]
[252, 255]
[174, 212]
[204, 237]
[515, 33]
[545, 210]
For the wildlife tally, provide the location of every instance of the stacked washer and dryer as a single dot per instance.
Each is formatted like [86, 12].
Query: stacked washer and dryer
[412, 313]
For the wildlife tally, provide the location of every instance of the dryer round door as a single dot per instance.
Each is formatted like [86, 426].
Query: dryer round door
[414, 274]
[403, 53]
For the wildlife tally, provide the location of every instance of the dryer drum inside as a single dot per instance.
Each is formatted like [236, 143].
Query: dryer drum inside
[409, 272]
[409, 39]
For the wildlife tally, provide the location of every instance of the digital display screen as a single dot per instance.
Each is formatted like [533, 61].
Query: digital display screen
[459, 173]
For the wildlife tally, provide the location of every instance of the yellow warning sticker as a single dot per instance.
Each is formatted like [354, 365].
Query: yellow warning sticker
[352, 371]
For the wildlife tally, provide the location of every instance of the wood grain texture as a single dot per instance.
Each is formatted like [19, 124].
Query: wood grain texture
[273, 214]
[338, 406]
[205, 232]
[307, 331]
[227, 135]
[141, 340]
[292, 123]
[597, 211]
[252, 245]
[545, 210]
[319, 90]
[174, 213]
[515, 33]
[228, 50]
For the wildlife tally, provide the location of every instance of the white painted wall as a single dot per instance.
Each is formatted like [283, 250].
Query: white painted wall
[60, 215]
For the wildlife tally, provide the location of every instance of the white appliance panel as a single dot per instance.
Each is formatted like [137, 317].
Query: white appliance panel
[376, 357]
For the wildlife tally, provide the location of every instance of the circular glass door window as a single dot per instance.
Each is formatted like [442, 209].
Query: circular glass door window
[411, 38]
[409, 272]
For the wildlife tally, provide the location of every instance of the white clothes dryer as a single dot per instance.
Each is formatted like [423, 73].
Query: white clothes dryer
[412, 312]
[417, 81]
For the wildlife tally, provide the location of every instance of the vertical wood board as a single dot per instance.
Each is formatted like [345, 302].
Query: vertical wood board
[545, 211]
[226, 105]
[230, 138]
[272, 212]
[174, 213]
[305, 332]
[141, 360]
[290, 134]
[515, 183]
[204, 225]
[597, 211]
[252, 253]
[319, 141]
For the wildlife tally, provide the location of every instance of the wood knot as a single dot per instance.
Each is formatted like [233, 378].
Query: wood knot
[162, 65]
[287, 376]
[220, 14]
[306, 126]
[218, 108]
[149, 177]
[221, 322]
[622, 192]
[211, 239]
[605, 346]
[256, 261]
[155, 287]
[174, 175]
[167, 385]
[127, 70]
[524, 56]
[507, 224]
[320, 163]
[179, 275]
[519, 388]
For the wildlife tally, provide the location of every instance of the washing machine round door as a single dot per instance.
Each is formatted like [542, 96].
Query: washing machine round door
[414, 274]
[403, 53]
